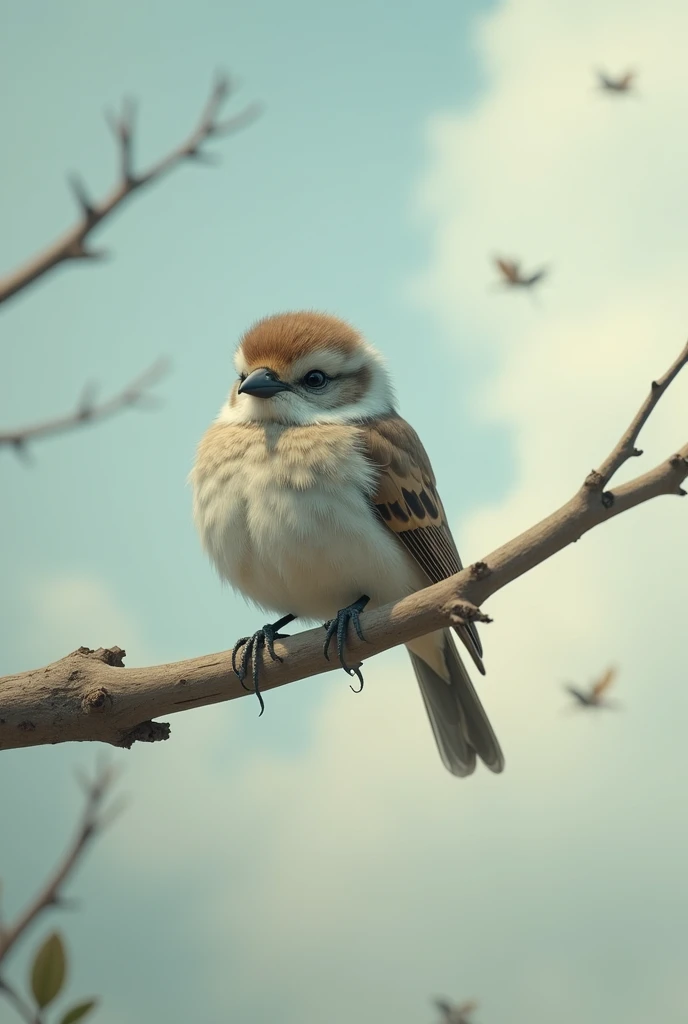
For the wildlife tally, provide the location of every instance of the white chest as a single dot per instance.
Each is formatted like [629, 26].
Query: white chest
[285, 516]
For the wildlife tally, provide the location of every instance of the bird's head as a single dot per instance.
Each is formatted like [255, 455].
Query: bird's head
[305, 368]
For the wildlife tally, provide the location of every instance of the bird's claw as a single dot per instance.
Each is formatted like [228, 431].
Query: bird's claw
[252, 645]
[339, 626]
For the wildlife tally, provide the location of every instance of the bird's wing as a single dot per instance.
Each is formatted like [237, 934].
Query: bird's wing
[581, 697]
[444, 1007]
[407, 502]
[625, 81]
[604, 682]
[470, 1007]
[509, 268]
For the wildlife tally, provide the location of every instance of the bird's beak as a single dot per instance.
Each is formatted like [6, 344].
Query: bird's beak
[262, 383]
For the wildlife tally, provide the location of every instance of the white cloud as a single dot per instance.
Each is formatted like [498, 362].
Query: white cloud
[63, 607]
[508, 887]
[547, 168]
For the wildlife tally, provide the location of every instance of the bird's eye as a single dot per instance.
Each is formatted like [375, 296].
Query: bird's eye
[315, 379]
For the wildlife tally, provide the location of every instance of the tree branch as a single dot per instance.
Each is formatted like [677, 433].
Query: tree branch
[92, 823]
[89, 695]
[72, 245]
[88, 411]
[19, 1003]
[626, 449]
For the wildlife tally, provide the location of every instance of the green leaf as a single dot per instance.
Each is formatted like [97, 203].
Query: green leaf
[48, 971]
[78, 1011]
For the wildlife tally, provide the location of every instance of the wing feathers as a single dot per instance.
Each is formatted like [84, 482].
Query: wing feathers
[408, 504]
[604, 683]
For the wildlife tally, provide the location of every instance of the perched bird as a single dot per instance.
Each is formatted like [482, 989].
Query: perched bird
[452, 1014]
[512, 276]
[315, 499]
[624, 83]
[593, 698]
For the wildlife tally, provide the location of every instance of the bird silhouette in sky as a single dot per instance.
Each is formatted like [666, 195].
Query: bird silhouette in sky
[595, 696]
[624, 83]
[512, 276]
[455, 1014]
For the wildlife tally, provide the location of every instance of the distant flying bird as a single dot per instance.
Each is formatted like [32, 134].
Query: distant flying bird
[455, 1014]
[512, 276]
[624, 83]
[593, 698]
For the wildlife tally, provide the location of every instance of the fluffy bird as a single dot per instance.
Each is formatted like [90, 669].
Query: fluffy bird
[594, 697]
[514, 278]
[315, 499]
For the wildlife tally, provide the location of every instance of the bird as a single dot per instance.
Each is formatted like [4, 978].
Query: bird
[593, 698]
[455, 1014]
[314, 499]
[512, 276]
[624, 83]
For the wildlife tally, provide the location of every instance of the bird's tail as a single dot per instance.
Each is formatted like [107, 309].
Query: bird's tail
[461, 727]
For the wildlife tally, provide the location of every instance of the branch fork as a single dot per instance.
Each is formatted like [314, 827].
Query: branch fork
[73, 244]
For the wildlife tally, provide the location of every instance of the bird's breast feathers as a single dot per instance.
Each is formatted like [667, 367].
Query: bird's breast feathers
[286, 515]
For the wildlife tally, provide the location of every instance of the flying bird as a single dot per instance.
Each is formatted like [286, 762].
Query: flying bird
[624, 83]
[455, 1014]
[512, 276]
[315, 499]
[593, 698]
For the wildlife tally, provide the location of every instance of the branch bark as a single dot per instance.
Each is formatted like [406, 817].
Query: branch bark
[72, 245]
[89, 695]
[88, 411]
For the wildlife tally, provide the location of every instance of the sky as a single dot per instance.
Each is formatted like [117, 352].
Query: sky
[319, 863]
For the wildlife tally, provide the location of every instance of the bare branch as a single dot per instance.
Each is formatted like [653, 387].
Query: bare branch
[92, 823]
[89, 695]
[626, 448]
[72, 245]
[87, 410]
[19, 1003]
[82, 197]
[123, 130]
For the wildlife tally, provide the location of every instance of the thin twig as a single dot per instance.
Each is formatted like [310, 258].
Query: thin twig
[92, 823]
[87, 410]
[93, 697]
[626, 447]
[72, 245]
[19, 1003]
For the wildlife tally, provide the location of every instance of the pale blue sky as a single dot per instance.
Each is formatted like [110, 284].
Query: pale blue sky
[316, 864]
[309, 208]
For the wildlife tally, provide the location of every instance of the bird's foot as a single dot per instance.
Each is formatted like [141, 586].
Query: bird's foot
[262, 638]
[339, 626]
